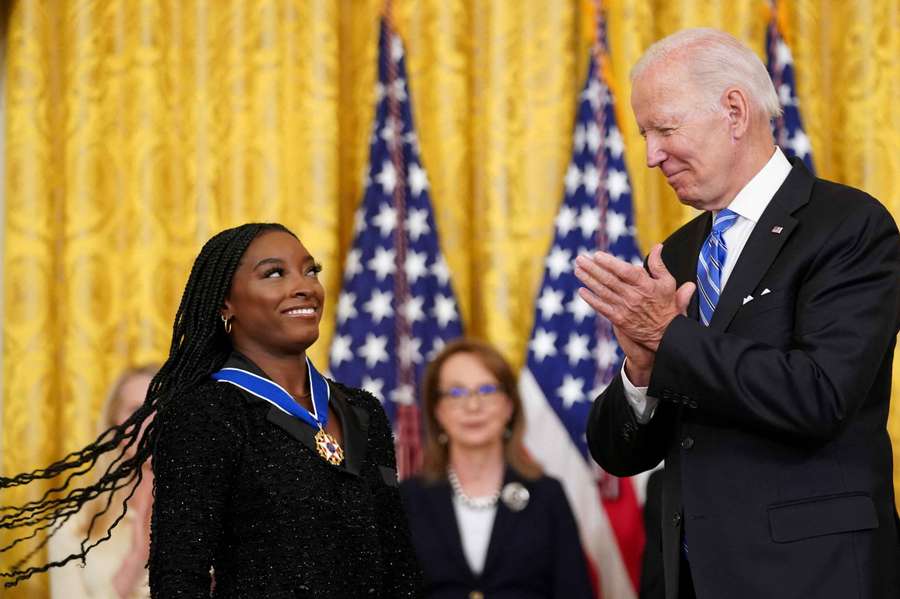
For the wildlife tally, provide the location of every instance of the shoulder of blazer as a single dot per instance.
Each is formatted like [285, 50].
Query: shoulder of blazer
[829, 206]
[357, 397]
[839, 201]
[414, 489]
[554, 490]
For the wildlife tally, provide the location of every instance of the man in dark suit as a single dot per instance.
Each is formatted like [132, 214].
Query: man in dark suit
[758, 342]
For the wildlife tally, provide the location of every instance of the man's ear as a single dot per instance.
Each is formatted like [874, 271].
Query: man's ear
[737, 110]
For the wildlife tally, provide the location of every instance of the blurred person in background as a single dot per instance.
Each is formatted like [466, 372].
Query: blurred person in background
[116, 569]
[485, 521]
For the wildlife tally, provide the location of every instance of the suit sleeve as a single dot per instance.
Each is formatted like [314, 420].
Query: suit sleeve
[844, 324]
[570, 576]
[194, 458]
[403, 577]
[618, 442]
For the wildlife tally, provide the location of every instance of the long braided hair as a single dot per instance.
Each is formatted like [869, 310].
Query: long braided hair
[199, 347]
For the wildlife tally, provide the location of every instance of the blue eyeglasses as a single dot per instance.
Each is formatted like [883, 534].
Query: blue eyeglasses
[482, 392]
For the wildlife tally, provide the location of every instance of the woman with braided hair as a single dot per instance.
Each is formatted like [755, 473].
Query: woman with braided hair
[270, 480]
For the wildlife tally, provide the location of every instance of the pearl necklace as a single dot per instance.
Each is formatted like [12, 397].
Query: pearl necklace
[476, 503]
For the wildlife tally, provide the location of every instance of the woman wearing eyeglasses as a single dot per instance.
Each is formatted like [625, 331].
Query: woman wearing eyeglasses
[485, 521]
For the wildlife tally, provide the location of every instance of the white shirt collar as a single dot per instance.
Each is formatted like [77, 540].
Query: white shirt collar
[751, 201]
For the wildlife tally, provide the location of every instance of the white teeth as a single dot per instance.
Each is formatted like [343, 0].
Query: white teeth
[299, 311]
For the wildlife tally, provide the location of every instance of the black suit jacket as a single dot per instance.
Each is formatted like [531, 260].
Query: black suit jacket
[772, 420]
[652, 582]
[533, 553]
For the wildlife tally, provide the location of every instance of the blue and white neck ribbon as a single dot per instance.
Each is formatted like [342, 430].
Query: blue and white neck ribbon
[276, 395]
[326, 445]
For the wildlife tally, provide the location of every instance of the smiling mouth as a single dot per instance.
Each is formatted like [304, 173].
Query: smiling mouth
[294, 312]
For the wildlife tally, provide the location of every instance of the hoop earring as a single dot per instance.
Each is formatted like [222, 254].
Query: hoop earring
[227, 324]
[443, 438]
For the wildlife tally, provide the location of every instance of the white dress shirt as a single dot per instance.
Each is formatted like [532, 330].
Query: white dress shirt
[748, 204]
[475, 528]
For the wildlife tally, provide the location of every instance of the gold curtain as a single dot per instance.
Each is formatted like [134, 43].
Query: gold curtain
[137, 128]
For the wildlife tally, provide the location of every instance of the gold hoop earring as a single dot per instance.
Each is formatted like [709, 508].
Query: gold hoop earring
[227, 324]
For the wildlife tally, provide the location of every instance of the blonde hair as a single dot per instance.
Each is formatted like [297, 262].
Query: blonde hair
[715, 61]
[111, 407]
[437, 453]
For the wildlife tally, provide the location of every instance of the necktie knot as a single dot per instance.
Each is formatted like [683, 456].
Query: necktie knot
[723, 221]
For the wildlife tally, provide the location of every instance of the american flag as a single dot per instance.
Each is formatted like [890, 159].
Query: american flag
[397, 307]
[572, 354]
[788, 128]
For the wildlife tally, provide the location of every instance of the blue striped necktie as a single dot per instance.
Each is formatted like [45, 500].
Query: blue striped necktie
[710, 264]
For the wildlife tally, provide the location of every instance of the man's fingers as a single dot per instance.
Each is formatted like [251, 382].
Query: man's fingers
[626, 272]
[601, 307]
[683, 297]
[611, 271]
[607, 288]
[595, 277]
[655, 262]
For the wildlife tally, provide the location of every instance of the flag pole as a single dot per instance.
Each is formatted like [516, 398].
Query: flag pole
[408, 442]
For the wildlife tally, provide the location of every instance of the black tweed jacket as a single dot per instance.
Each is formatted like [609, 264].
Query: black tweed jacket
[241, 492]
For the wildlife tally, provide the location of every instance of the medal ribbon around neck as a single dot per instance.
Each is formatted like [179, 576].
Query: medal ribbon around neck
[275, 394]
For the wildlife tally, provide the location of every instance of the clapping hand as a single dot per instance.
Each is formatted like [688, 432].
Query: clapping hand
[638, 304]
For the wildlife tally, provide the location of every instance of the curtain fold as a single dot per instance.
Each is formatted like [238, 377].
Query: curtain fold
[135, 129]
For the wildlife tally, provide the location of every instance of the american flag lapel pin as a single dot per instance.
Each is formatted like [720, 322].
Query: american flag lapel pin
[777, 230]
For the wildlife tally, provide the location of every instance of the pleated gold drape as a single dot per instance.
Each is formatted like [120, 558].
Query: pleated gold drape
[137, 128]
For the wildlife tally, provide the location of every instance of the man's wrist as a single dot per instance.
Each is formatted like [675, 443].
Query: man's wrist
[639, 375]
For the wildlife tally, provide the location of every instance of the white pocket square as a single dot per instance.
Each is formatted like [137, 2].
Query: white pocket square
[748, 299]
[765, 291]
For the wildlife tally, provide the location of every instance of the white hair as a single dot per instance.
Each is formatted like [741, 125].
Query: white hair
[715, 61]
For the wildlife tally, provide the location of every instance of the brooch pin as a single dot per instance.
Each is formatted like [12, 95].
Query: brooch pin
[515, 496]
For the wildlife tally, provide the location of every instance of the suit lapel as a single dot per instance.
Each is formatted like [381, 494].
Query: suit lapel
[440, 501]
[682, 263]
[769, 235]
[503, 520]
[294, 427]
[354, 419]
[355, 429]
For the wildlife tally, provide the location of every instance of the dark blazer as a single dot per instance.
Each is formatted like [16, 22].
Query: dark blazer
[239, 487]
[533, 553]
[772, 420]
